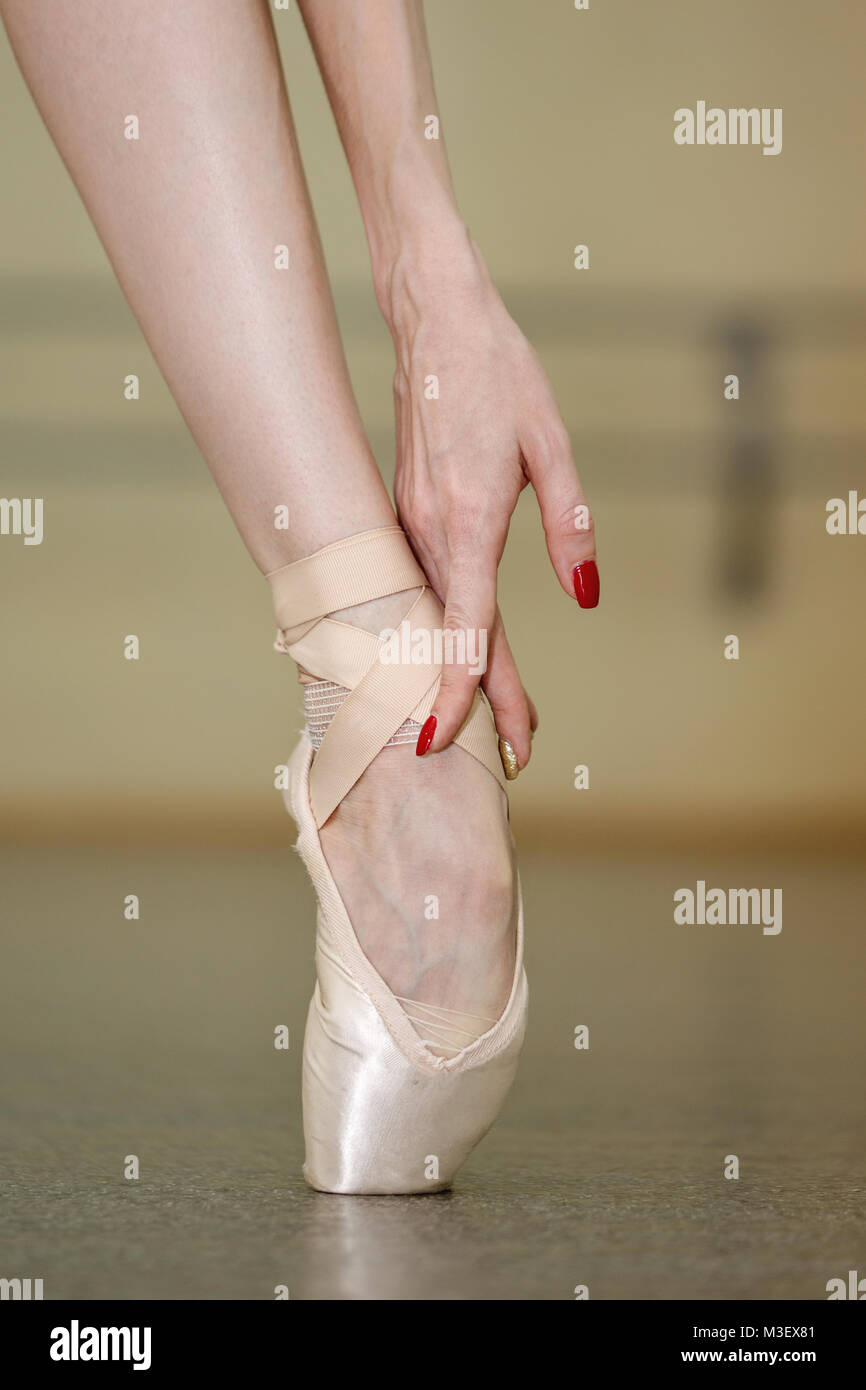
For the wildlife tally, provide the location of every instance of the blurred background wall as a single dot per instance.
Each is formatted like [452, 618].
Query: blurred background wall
[710, 513]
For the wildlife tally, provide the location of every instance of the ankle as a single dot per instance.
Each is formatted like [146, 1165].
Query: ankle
[378, 614]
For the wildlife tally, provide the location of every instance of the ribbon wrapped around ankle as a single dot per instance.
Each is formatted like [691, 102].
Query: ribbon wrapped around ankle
[383, 693]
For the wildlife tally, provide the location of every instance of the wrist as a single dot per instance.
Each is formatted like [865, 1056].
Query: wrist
[420, 248]
[429, 267]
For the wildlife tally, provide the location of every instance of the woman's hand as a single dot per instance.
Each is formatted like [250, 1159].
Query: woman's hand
[476, 418]
[476, 422]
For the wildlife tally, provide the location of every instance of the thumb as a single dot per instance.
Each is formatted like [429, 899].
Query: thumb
[565, 514]
[470, 608]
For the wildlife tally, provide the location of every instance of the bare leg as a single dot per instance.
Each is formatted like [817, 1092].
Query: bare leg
[190, 215]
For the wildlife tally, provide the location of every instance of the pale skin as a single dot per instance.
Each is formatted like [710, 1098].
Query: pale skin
[189, 215]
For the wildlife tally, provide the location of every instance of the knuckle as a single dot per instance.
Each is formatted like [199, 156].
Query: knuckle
[572, 522]
[416, 510]
[456, 617]
[551, 441]
[513, 709]
[457, 681]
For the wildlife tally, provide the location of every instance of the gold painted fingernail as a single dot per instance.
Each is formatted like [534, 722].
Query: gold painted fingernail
[509, 760]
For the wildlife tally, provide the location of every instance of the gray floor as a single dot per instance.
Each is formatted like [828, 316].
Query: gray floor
[154, 1038]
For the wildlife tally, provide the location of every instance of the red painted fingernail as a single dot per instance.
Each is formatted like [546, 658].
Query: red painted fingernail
[585, 579]
[425, 738]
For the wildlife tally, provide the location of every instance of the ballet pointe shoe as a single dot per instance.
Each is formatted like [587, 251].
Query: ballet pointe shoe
[384, 1111]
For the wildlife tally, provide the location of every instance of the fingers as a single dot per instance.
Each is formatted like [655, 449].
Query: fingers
[565, 515]
[513, 712]
[533, 714]
[470, 612]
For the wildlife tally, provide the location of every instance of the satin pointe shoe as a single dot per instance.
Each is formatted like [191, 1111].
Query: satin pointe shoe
[384, 1110]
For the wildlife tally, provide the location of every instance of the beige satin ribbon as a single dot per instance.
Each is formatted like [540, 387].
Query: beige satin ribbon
[383, 695]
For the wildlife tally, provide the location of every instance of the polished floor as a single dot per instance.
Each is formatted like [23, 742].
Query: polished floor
[154, 1038]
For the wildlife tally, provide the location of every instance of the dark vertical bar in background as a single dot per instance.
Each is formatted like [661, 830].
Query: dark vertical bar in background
[748, 483]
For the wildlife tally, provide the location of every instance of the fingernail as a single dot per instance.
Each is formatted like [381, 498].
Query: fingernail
[509, 760]
[585, 578]
[425, 738]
